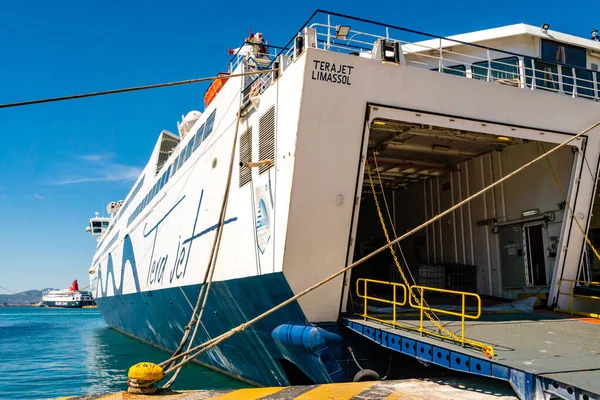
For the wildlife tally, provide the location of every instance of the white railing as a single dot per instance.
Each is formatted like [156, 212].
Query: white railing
[434, 53]
[256, 87]
[478, 62]
[256, 58]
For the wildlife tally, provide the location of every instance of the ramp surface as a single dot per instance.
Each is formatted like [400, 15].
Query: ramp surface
[540, 352]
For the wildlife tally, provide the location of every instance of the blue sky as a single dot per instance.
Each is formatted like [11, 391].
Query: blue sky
[61, 162]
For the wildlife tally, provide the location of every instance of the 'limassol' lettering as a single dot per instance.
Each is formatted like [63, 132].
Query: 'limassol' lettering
[331, 72]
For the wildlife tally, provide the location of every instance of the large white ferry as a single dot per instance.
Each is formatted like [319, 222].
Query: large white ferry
[67, 298]
[436, 119]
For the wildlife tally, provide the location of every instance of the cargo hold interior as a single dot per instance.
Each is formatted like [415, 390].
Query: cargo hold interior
[502, 244]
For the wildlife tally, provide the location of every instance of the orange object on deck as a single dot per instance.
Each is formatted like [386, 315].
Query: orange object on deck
[214, 88]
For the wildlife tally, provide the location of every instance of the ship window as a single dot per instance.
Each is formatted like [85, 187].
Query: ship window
[503, 68]
[210, 122]
[546, 74]
[561, 53]
[585, 86]
[198, 138]
[458, 70]
[180, 159]
[131, 196]
[96, 227]
[188, 150]
[176, 165]
[167, 175]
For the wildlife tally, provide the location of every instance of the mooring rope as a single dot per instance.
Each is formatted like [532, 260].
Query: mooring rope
[430, 314]
[564, 196]
[131, 89]
[210, 270]
[202, 348]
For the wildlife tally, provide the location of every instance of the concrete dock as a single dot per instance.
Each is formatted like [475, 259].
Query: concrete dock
[430, 389]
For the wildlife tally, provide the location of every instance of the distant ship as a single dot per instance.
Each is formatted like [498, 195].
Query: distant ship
[67, 298]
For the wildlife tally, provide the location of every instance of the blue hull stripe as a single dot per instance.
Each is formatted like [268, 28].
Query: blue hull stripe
[159, 317]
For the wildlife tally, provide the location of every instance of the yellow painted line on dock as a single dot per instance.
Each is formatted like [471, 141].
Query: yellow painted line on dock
[398, 395]
[250, 393]
[336, 391]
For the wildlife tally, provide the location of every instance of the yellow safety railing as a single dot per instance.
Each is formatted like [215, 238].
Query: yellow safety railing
[394, 302]
[572, 295]
[418, 295]
[416, 299]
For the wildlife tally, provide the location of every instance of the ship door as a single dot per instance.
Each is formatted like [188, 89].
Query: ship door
[511, 257]
[536, 265]
[522, 257]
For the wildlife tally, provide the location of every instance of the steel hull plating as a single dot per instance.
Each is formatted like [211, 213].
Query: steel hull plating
[159, 318]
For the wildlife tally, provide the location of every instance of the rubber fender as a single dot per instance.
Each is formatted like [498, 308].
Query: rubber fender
[366, 375]
[308, 338]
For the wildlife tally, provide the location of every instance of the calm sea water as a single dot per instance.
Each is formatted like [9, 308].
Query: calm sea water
[46, 353]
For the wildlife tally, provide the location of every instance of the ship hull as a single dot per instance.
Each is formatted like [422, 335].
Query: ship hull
[254, 356]
[63, 304]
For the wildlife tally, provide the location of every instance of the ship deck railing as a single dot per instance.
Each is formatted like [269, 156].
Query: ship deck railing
[441, 54]
[539, 353]
[416, 297]
[475, 62]
[580, 289]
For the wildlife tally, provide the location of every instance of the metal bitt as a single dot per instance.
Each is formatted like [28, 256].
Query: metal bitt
[298, 45]
[390, 51]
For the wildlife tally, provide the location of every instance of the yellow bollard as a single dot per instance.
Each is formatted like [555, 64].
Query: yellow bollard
[142, 377]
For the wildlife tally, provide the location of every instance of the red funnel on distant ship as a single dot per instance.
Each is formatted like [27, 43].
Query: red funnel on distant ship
[74, 285]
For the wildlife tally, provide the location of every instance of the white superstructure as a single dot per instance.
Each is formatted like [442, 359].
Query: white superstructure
[438, 120]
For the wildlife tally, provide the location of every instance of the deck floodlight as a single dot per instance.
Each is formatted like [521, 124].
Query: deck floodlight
[342, 31]
[545, 27]
[595, 34]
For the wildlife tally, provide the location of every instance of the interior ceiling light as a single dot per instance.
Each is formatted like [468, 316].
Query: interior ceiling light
[503, 138]
[530, 213]
[439, 147]
[378, 123]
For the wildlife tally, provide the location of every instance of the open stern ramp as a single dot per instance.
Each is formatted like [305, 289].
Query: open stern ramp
[541, 355]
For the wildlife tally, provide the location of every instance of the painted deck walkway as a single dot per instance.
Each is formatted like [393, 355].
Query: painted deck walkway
[537, 353]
